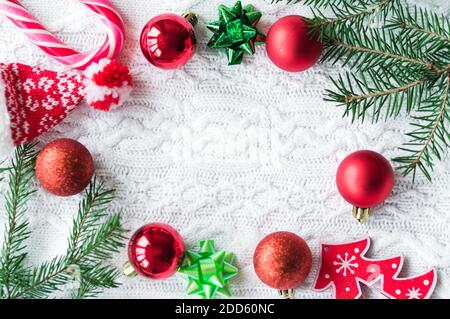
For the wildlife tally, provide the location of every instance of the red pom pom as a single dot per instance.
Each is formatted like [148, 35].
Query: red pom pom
[282, 260]
[114, 74]
[105, 104]
[108, 84]
[365, 178]
[289, 45]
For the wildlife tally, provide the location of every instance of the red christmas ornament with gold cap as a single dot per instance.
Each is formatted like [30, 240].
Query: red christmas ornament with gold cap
[155, 251]
[168, 41]
[365, 179]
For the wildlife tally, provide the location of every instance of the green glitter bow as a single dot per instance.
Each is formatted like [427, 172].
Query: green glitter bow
[236, 31]
[208, 271]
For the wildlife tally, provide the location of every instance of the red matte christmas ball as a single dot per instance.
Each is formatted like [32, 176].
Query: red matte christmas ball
[290, 46]
[282, 260]
[168, 40]
[64, 167]
[156, 250]
[365, 178]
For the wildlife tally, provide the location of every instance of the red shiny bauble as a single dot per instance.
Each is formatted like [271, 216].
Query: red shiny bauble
[289, 45]
[282, 260]
[156, 250]
[365, 178]
[64, 167]
[168, 41]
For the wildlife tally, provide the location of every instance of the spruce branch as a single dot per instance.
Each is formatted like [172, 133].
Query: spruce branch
[355, 12]
[104, 242]
[420, 24]
[328, 3]
[369, 48]
[431, 136]
[94, 279]
[379, 90]
[16, 233]
[90, 212]
[2, 170]
[344, 11]
[45, 279]
[94, 239]
[397, 64]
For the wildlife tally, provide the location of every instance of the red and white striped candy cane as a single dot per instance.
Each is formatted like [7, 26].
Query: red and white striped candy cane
[55, 48]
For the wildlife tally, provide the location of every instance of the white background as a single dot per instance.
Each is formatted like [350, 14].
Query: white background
[231, 154]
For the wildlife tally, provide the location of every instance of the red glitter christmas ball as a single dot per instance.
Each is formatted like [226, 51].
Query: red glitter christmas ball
[282, 260]
[64, 167]
[156, 250]
[289, 45]
[365, 178]
[168, 41]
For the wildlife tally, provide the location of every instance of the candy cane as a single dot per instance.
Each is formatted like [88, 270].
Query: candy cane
[39, 35]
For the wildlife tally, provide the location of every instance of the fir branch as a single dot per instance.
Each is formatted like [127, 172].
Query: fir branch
[400, 63]
[45, 279]
[344, 10]
[94, 279]
[13, 249]
[370, 48]
[431, 136]
[93, 240]
[380, 89]
[355, 12]
[376, 94]
[2, 170]
[328, 3]
[420, 24]
[384, 53]
[90, 212]
[104, 242]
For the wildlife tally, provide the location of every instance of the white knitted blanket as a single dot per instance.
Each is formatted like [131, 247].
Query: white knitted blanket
[230, 154]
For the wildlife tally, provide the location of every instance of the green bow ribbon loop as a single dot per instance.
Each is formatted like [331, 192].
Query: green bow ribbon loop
[208, 272]
[236, 31]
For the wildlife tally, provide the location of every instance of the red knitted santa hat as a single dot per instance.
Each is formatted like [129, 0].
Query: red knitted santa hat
[34, 100]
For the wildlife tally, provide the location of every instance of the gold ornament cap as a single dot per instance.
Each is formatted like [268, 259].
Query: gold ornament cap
[191, 16]
[286, 293]
[128, 270]
[361, 214]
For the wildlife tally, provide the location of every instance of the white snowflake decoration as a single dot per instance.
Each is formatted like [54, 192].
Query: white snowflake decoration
[413, 293]
[345, 264]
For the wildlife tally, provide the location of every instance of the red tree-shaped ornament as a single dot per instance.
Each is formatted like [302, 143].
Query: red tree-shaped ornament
[364, 179]
[344, 267]
[155, 251]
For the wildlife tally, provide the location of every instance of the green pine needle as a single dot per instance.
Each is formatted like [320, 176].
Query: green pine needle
[328, 3]
[94, 238]
[431, 137]
[2, 170]
[94, 280]
[420, 25]
[13, 252]
[400, 61]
